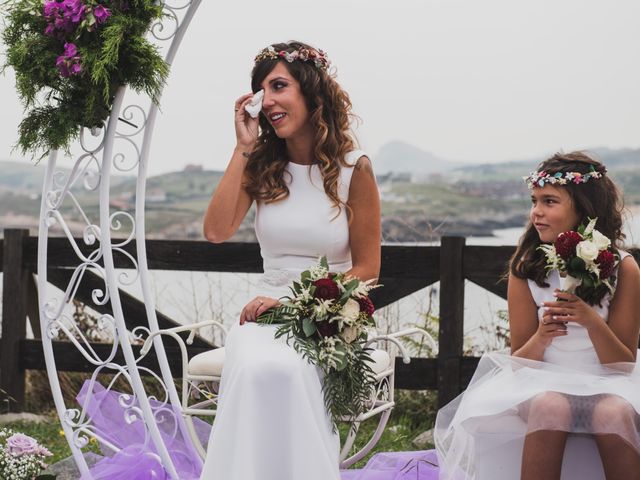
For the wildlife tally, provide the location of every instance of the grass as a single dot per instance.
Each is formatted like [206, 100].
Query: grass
[414, 414]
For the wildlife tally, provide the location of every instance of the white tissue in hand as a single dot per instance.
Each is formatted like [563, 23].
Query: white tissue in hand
[255, 105]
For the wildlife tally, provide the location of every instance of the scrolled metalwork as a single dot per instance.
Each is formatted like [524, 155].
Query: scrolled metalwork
[133, 116]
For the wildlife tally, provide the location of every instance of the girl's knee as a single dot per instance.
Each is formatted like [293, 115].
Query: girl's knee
[613, 414]
[549, 411]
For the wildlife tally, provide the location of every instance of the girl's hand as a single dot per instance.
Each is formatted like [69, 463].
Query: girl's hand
[257, 307]
[548, 329]
[571, 308]
[246, 127]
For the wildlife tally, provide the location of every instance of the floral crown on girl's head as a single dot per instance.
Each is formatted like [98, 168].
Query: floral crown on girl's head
[541, 178]
[302, 54]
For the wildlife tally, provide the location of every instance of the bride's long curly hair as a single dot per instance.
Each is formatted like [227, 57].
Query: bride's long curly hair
[597, 198]
[330, 116]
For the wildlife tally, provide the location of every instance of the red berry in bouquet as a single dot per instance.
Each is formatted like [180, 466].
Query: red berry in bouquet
[566, 244]
[326, 289]
[606, 261]
[366, 305]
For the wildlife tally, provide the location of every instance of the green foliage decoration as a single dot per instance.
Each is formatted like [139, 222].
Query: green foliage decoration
[64, 89]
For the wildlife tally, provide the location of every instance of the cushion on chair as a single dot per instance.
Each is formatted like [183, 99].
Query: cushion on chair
[208, 363]
[381, 360]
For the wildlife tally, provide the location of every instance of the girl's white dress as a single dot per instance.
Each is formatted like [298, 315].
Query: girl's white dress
[271, 422]
[480, 434]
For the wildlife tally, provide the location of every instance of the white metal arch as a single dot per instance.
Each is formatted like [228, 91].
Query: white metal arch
[92, 172]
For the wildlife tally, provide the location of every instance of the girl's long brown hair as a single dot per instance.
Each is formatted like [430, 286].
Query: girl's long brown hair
[597, 198]
[330, 114]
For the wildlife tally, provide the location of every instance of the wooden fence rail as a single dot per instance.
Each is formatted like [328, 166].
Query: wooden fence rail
[404, 270]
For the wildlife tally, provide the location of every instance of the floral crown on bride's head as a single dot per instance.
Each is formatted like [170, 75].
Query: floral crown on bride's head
[541, 178]
[302, 54]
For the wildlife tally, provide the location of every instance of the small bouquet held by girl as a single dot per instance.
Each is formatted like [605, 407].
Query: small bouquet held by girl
[585, 257]
[327, 317]
[22, 457]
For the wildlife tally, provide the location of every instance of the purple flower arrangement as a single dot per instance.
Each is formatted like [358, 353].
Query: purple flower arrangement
[21, 456]
[67, 18]
[76, 55]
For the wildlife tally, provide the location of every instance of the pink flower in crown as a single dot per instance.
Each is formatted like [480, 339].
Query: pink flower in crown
[577, 178]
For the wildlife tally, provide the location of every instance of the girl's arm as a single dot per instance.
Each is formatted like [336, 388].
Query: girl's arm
[365, 229]
[230, 202]
[617, 341]
[529, 337]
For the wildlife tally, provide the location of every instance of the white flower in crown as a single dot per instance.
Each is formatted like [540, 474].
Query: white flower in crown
[290, 56]
[587, 251]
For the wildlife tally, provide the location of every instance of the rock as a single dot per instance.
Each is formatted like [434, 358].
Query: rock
[425, 439]
[67, 470]
[22, 417]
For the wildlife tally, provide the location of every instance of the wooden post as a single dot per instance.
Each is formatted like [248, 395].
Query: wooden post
[14, 317]
[451, 331]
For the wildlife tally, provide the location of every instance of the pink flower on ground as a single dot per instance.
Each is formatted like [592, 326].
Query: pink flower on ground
[20, 444]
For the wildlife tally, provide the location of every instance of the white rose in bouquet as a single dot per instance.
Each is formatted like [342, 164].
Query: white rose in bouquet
[350, 311]
[587, 251]
[350, 334]
[600, 241]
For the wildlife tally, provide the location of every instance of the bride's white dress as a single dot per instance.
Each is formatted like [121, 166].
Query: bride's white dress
[271, 422]
[480, 434]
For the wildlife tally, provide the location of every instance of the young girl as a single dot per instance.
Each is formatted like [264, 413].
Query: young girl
[571, 368]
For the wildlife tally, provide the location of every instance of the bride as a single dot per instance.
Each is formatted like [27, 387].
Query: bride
[315, 195]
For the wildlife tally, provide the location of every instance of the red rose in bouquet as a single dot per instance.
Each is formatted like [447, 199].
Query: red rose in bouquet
[566, 244]
[606, 261]
[366, 305]
[326, 289]
[327, 329]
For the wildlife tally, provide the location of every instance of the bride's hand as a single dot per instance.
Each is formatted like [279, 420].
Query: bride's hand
[257, 307]
[246, 127]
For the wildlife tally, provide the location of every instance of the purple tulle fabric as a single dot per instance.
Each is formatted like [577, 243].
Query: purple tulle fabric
[139, 461]
[397, 466]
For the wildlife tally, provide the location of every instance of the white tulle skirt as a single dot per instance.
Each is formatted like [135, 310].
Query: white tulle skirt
[480, 434]
[271, 422]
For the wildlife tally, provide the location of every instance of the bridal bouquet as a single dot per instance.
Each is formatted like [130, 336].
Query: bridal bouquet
[326, 317]
[21, 457]
[586, 258]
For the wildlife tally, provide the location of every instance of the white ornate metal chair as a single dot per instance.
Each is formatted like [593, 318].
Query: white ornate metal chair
[201, 377]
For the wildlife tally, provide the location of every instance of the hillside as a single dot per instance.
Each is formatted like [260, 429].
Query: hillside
[473, 200]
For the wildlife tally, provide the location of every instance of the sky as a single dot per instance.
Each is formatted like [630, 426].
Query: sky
[468, 80]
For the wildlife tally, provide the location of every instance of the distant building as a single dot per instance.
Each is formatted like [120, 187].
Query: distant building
[156, 195]
[191, 167]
